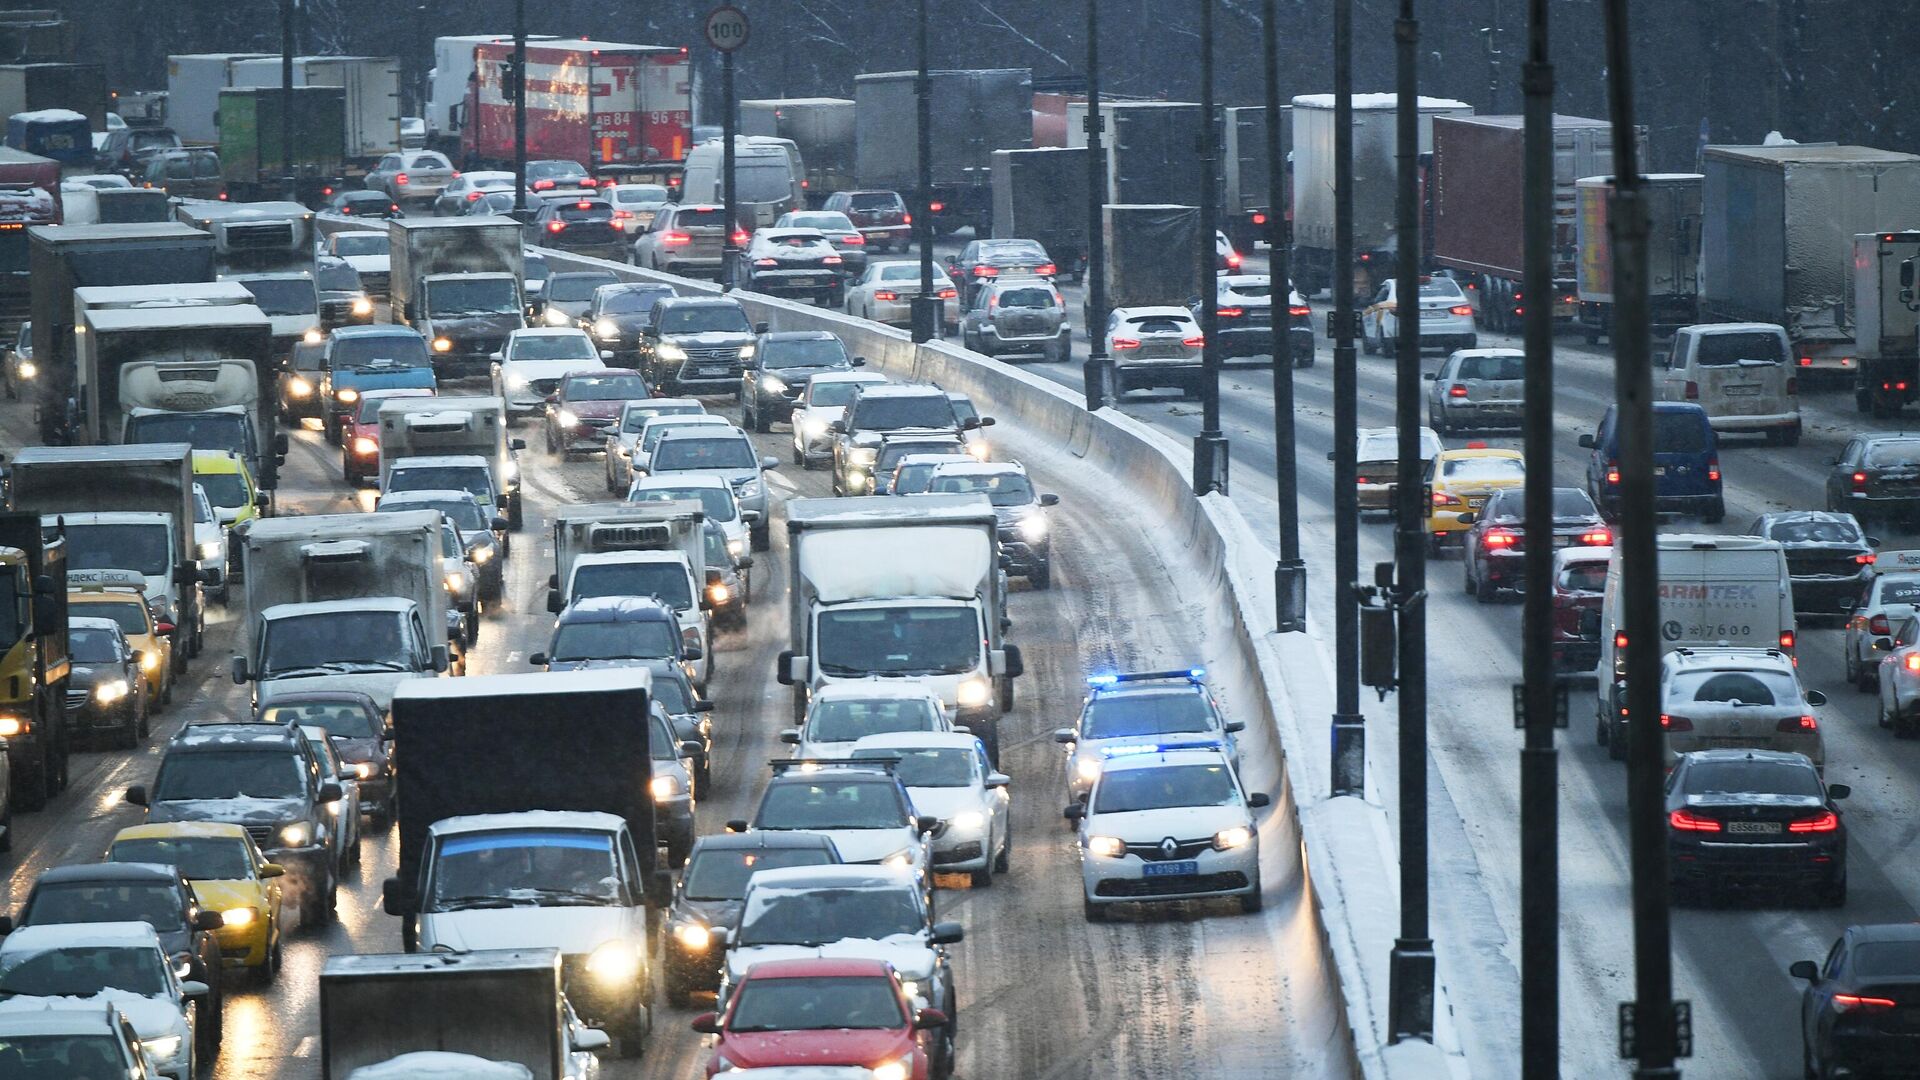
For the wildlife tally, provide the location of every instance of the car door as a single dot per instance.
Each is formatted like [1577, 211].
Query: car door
[1376, 312]
[1841, 472]
[1437, 393]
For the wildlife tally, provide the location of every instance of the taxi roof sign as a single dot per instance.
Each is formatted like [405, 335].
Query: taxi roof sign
[80, 580]
[1886, 562]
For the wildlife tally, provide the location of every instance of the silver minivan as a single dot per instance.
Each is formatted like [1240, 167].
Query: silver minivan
[1740, 373]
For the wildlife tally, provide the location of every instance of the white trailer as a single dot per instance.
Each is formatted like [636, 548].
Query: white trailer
[371, 85]
[194, 82]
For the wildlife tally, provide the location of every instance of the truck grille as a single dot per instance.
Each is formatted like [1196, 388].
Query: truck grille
[261, 237]
[262, 835]
[76, 700]
[374, 282]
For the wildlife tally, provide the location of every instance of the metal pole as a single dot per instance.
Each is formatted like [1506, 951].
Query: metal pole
[1410, 978]
[1349, 775]
[1539, 781]
[519, 106]
[1656, 1037]
[1290, 573]
[729, 250]
[1210, 446]
[926, 307]
[1094, 372]
[286, 97]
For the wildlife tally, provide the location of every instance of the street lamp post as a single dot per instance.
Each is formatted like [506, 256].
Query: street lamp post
[925, 310]
[1210, 446]
[1290, 573]
[1349, 770]
[286, 99]
[519, 91]
[1094, 373]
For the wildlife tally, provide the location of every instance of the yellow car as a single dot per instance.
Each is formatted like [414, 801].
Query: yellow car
[229, 485]
[228, 875]
[120, 595]
[1458, 483]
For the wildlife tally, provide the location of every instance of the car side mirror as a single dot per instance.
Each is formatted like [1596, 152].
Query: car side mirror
[331, 792]
[1873, 541]
[272, 870]
[240, 672]
[1804, 969]
[195, 988]
[1430, 376]
[494, 356]
[761, 327]
[691, 748]
[947, 933]
[138, 656]
[1074, 812]
[503, 499]
[790, 736]
[1259, 799]
[553, 601]
[745, 562]
[1236, 726]
[1815, 698]
[606, 354]
[439, 659]
[202, 920]
[929, 1019]
[393, 897]
[953, 261]
[737, 825]
[280, 444]
[1906, 274]
[1836, 792]
[137, 795]
[538, 659]
[260, 501]
[499, 524]
[998, 780]
[693, 652]
[926, 823]
[859, 361]
[1065, 736]
[1586, 442]
[1049, 499]
[703, 706]
[769, 462]
[837, 427]
[516, 444]
[706, 1023]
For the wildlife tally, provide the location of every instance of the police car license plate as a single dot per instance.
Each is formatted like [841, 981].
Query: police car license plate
[1171, 869]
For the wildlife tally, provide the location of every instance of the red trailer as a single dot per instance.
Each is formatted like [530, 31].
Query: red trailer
[29, 196]
[600, 103]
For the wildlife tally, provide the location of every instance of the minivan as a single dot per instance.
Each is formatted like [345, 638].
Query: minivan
[1686, 463]
[1740, 373]
[768, 177]
[1715, 591]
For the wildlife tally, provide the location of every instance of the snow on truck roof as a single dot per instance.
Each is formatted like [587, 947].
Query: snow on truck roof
[588, 820]
[320, 526]
[1800, 154]
[325, 607]
[920, 510]
[49, 116]
[441, 1065]
[436, 963]
[174, 318]
[594, 681]
[123, 452]
[1377, 101]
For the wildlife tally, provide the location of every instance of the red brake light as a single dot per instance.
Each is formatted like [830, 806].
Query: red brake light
[1194, 342]
[393, 208]
[936, 207]
[1620, 640]
[739, 237]
[622, 215]
[1675, 723]
[1865, 560]
[556, 226]
[1456, 390]
[1300, 310]
[908, 219]
[1613, 472]
[401, 179]
[1596, 538]
[856, 240]
[1259, 218]
[985, 271]
[583, 205]
[1234, 261]
[1879, 625]
[223, 195]
[886, 296]
[1913, 661]
[1824, 821]
[327, 190]
[948, 294]
[675, 181]
[766, 262]
[833, 260]
[1501, 538]
[675, 239]
[1046, 269]
[805, 184]
[1126, 343]
[474, 196]
[543, 185]
[1859, 481]
[1806, 361]
[1713, 470]
[589, 182]
[1845, 1002]
[1460, 309]
[1361, 480]
[1688, 821]
[1793, 724]
[1230, 312]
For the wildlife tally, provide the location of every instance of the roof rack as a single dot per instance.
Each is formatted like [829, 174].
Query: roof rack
[782, 766]
[1192, 675]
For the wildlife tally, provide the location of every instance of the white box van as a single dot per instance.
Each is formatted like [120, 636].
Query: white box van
[1714, 591]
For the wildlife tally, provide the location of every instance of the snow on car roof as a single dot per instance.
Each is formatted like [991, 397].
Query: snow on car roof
[49, 116]
[599, 680]
[591, 820]
[917, 740]
[1154, 311]
[48, 936]
[441, 1065]
[802, 879]
[323, 607]
[548, 331]
[438, 460]
[78, 622]
[339, 526]
[848, 376]
[876, 690]
[1211, 754]
[682, 480]
[1377, 101]
[981, 468]
[60, 1020]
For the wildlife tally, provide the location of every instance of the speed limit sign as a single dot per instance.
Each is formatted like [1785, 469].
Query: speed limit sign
[726, 28]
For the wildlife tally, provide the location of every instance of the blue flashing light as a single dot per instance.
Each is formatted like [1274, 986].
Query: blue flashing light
[1133, 749]
[1102, 680]
[1192, 674]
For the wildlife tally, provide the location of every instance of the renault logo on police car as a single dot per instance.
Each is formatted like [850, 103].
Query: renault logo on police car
[1168, 849]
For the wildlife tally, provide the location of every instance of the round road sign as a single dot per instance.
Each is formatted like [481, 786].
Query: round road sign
[726, 28]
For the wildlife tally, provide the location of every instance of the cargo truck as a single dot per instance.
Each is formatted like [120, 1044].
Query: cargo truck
[973, 114]
[1041, 194]
[604, 104]
[34, 664]
[194, 82]
[1374, 186]
[1476, 196]
[1151, 149]
[504, 763]
[1776, 241]
[921, 574]
[1243, 159]
[608, 528]
[455, 427]
[457, 281]
[1885, 315]
[29, 195]
[268, 247]
[31, 34]
[254, 152]
[81, 88]
[81, 204]
[822, 130]
[341, 602]
[1673, 252]
[1152, 256]
[453, 69]
[370, 86]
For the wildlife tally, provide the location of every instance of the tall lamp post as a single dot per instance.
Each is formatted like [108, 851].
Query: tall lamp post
[925, 311]
[1349, 767]
[519, 92]
[286, 99]
[1290, 574]
[1094, 373]
[1210, 446]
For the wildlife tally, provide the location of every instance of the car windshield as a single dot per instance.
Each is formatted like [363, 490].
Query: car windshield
[640, 193]
[832, 394]
[1591, 577]
[717, 501]
[913, 478]
[824, 915]
[338, 277]
[577, 286]
[666, 580]
[632, 301]
[199, 858]
[1440, 289]
[1742, 776]
[915, 411]
[1163, 787]
[335, 642]
[230, 774]
[1157, 712]
[1484, 468]
[652, 436]
[203, 431]
[393, 350]
[899, 641]
[1682, 431]
[529, 866]
[723, 873]
[473, 479]
[1728, 350]
[764, 180]
[93, 646]
[130, 615]
[805, 352]
[727, 452]
[157, 904]
[483, 296]
[1894, 454]
[874, 200]
[838, 720]
[225, 490]
[1734, 688]
[1881, 959]
[1004, 489]
[832, 804]
[927, 766]
[1028, 298]
[705, 319]
[83, 971]
[1815, 531]
[817, 1004]
[650, 639]
[360, 243]
[1501, 368]
[283, 296]
[636, 416]
[619, 387]
[341, 719]
[553, 347]
[462, 512]
[137, 546]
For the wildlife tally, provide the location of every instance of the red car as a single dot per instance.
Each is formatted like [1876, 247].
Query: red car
[360, 436]
[822, 1012]
[1579, 586]
[587, 405]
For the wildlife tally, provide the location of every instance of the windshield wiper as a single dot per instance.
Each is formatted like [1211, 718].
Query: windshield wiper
[579, 895]
[832, 668]
[469, 903]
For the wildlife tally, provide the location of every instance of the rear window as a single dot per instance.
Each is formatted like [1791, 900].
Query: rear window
[1492, 368]
[1815, 532]
[1590, 577]
[1734, 688]
[640, 193]
[1775, 777]
[707, 218]
[584, 211]
[1727, 350]
[1682, 432]
[1879, 959]
[796, 241]
[1028, 298]
[879, 200]
[1894, 454]
[1904, 591]
[1263, 291]
[1484, 468]
[1440, 289]
[1159, 324]
[428, 161]
[1012, 251]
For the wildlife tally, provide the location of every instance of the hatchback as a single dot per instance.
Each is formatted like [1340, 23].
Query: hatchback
[1478, 389]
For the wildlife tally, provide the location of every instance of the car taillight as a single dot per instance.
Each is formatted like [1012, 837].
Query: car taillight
[1795, 724]
[675, 239]
[1913, 662]
[908, 219]
[622, 215]
[739, 237]
[1456, 390]
[1879, 625]
[856, 240]
[1688, 821]
[1806, 361]
[1866, 559]
[401, 179]
[1194, 342]
[985, 271]
[675, 181]
[948, 294]
[1441, 498]
[936, 207]
[1126, 343]
[326, 189]
[393, 208]
[543, 185]
[1596, 538]
[1259, 218]
[1230, 312]
[1669, 722]
[833, 260]
[1361, 480]
[1852, 1002]
[766, 262]
[1824, 821]
[1693, 390]
[583, 206]
[1786, 641]
[886, 296]
[556, 226]
[474, 196]
[1501, 538]
[1460, 309]
[1302, 309]
[1234, 261]
[1713, 470]
[1859, 481]
[1613, 472]
[1620, 640]
[1046, 270]
[589, 182]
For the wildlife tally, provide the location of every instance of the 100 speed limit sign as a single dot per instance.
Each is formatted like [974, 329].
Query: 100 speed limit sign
[726, 28]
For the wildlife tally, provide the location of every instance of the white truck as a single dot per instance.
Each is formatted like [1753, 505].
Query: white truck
[194, 82]
[1714, 591]
[443, 426]
[372, 90]
[269, 248]
[458, 282]
[636, 549]
[125, 508]
[1885, 310]
[342, 602]
[901, 588]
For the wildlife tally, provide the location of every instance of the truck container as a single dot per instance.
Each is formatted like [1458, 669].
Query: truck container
[1673, 252]
[822, 129]
[929, 566]
[1151, 148]
[28, 35]
[1374, 186]
[371, 88]
[253, 151]
[453, 69]
[1885, 316]
[1245, 203]
[1041, 194]
[1153, 257]
[600, 103]
[194, 82]
[81, 88]
[457, 281]
[973, 113]
[1475, 192]
[601, 528]
[35, 665]
[29, 195]
[63, 258]
[462, 426]
[1776, 241]
[81, 204]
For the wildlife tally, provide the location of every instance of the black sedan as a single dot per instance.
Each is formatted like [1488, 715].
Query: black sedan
[1494, 554]
[357, 728]
[585, 226]
[984, 260]
[615, 315]
[1860, 1012]
[710, 893]
[1829, 558]
[1760, 821]
[1876, 476]
[782, 363]
[792, 262]
[364, 204]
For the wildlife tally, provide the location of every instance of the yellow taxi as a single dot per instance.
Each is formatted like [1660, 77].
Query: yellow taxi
[1458, 483]
[121, 595]
[228, 875]
[229, 485]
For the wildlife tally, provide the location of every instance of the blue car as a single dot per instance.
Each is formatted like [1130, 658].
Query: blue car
[1686, 463]
[363, 358]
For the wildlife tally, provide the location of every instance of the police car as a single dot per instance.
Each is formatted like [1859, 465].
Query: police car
[1892, 595]
[1124, 712]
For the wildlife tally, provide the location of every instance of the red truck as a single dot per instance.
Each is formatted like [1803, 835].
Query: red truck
[29, 195]
[599, 103]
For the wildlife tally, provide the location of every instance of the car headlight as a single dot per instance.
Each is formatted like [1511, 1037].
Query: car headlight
[736, 548]
[815, 427]
[361, 770]
[750, 489]
[516, 382]
[911, 987]
[1228, 839]
[296, 834]
[442, 344]
[210, 549]
[12, 726]
[979, 450]
[28, 369]
[313, 336]
[772, 383]
[109, 692]
[511, 470]
[693, 936]
[747, 351]
[298, 387]
[718, 593]
[667, 350]
[856, 482]
[1033, 527]
[565, 418]
[162, 1047]
[607, 330]
[1107, 847]
[240, 916]
[149, 663]
[971, 692]
[481, 554]
[455, 581]
[347, 395]
[899, 860]
[1087, 768]
[362, 307]
[967, 821]
[555, 317]
[665, 788]
[615, 962]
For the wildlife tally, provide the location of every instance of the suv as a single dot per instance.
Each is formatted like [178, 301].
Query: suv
[881, 217]
[411, 176]
[729, 453]
[599, 628]
[581, 225]
[185, 174]
[1686, 458]
[1021, 315]
[696, 344]
[1730, 698]
[781, 365]
[362, 358]
[617, 312]
[877, 412]
[263, 777]
[687, 239]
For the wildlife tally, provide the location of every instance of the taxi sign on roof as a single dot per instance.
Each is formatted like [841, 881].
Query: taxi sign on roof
[106, 579]
[1886, 562]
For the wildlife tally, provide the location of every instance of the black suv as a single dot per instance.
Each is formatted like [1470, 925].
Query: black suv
[616, 315]
[584, 225]
[781, 365]
[877, 412]
[696, 345]
[710, 893]
[264, 778]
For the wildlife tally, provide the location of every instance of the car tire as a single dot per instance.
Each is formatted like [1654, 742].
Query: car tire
[983, 877]
[1834, 893]
[6, 827]
[1791, 436]
[1252, 902]
[679, 994]
[1616, 742]
[1716, 512]
[1095, 913]
[1041, 577]
[1004, 860]
[1485, 591]
[800, 458]
[760, 537]
[761, 424]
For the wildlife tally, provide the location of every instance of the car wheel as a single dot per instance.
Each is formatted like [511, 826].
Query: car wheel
[1041, 577]
[1868, 680]
[1252, 902]
[761, 537]
[1834, 893]
[1005, 859]
[800, 458]
[6, 827]
[1616, 742]
[761, 424]
[1485, 591]
[1094, 912]
[679, 994]
[1716, 511]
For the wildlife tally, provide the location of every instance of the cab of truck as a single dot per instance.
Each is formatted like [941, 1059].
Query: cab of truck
[34, 664]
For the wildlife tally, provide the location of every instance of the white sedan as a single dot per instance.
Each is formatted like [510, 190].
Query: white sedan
[948, 776]
[1154, 347]
[841, 714]
[1893, 595]
[1900, 678]
[534, 360]
[1446, 318]
[633, 418]
[884, 292]
[118, 965]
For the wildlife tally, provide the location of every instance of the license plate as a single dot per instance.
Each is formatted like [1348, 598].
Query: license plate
[1659, 470]
[1753, 827]
[1171, 869]
[1477, 502]
[712, 371]
[1742, 391]
[1562, 541]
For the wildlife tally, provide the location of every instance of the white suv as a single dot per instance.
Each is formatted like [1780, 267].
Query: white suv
[1737, 698]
